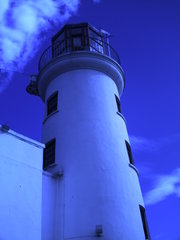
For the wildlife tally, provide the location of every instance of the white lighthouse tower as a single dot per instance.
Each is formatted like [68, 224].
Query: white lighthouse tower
[90, 183]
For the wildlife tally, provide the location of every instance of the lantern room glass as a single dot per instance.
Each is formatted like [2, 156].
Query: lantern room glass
[77, 37]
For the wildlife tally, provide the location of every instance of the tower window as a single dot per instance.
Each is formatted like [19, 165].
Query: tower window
[49, 153]
[118, 104]
[77, 42]
[144, 222]
[129, 152]
[52, 103]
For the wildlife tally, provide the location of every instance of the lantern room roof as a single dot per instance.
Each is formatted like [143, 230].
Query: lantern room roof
[76, 25]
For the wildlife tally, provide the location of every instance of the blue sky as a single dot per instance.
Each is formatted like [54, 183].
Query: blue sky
[146, 35]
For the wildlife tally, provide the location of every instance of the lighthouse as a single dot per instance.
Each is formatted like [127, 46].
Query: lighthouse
[90, 182]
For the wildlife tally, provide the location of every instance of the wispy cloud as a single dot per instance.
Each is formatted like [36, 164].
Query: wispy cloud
[165, 185]
[21, 28]
[141, 144]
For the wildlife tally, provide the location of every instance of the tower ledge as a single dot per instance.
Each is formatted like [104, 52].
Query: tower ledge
[80, 60]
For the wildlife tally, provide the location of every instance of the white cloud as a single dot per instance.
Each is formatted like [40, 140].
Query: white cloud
[165, 186]
[26, 18]
[22, 23]
[4, 7]
[141, 144]
[4, 81]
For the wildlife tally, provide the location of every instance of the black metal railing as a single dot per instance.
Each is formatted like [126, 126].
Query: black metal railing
[61, 47]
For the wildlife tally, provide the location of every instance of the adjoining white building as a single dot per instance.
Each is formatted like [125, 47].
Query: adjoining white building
[20, 185]
[84, 184]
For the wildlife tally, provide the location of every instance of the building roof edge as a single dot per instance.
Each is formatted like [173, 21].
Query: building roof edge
[21, 137]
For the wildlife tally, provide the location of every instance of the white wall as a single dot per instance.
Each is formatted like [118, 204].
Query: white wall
[98, 186]
[20, 187]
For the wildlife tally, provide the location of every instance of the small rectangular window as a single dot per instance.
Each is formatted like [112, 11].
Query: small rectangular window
[49, 153]
[77, 42]
[118, 104]
[144, 222]
[52, 103]
[129, 152]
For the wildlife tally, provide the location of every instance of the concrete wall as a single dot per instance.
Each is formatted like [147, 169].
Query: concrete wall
[98, 186]
[20, 187]
[50, 207]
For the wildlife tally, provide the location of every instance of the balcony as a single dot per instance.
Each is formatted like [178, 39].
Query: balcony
[78, 37]
[70, 39]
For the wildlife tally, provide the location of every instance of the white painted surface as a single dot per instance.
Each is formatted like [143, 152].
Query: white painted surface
[80, 60]
[20, 186]
[98, 186]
